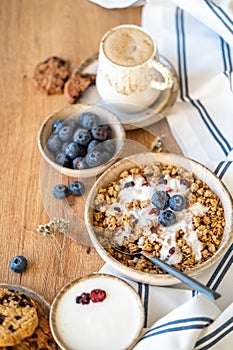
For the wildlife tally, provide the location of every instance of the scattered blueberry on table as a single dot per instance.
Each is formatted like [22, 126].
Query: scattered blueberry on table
[18, 264]
[81, 143]
[77, 188]
[60, 191]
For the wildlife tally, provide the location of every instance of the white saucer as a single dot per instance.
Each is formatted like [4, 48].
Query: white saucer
[149, 116]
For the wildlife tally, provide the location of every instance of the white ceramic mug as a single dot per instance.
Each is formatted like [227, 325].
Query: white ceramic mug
[130, 76]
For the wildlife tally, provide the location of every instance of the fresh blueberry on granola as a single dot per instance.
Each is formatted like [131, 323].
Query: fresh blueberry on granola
[177, 202]
[160, 199]
[166, 218]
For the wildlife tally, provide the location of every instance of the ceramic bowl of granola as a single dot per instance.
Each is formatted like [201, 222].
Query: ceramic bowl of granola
[163, 204]
[81, 140]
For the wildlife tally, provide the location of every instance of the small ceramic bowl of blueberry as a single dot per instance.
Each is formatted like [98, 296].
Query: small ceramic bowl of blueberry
[80, 140]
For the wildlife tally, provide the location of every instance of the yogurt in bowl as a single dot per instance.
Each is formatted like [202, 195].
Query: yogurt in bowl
[97, 311]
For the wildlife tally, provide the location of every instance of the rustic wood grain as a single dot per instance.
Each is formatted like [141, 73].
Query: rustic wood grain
[31, 31]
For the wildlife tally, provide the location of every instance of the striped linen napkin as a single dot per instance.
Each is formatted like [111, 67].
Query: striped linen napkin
[196, 36]
[201, 120]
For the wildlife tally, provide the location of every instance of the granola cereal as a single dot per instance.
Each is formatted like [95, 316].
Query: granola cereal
[161, 209]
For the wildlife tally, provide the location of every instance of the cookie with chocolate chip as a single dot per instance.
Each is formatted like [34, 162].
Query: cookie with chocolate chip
[76, 85]
[18, 317]
[51, 75]
[41, 338]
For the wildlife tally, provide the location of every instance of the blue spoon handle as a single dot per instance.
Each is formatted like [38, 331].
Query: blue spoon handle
[191, 282]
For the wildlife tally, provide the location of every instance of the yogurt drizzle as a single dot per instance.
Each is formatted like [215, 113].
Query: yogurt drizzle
[145, 217]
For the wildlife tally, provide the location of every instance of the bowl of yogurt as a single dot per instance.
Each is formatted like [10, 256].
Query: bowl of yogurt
[97, 311]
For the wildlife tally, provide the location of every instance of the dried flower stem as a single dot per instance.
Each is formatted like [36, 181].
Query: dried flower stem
[50, 229]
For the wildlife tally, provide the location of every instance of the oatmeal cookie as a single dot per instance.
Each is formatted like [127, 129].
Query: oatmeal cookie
[41, 339]
[51, 75]
[78, 84]
[18, 317]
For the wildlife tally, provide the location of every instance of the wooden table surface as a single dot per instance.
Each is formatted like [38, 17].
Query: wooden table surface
[31, 31]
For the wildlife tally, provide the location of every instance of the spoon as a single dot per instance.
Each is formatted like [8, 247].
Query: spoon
[189, 281]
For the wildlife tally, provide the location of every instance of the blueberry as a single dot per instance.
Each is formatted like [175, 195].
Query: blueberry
[70, 122]
[72, 150]
[99, 133]
[109, 146]
[82, 137]
[105, 156]
[60, 191]
[94, 158]
[63, 160]
[83, 151]
[66, 133]
[109, 130]
[91, 145]
[166, 218]
[57, 126]
[54, 143]
[129, 184]
[163, 181]
[77, 188]
[160, 199]
[79, 163]
[64, 145]
[177, 202]
[18, 263]
[89, 120]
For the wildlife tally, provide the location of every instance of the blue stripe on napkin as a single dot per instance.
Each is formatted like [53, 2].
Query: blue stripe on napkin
[221, 15]
[184, 89]
[219, 166]
[221, 269]
[218, 334]
[225, 166]
[227, 61]
[143, 291]
[164, 328]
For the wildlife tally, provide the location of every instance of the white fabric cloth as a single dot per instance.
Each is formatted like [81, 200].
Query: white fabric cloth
[179, 319]
[196, 36]
[111, 4]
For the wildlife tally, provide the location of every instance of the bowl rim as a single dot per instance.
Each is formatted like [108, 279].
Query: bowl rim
[79, 108]
[145, 277]
[75, 281]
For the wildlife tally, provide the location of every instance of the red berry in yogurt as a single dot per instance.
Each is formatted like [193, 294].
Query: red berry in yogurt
[97, 295]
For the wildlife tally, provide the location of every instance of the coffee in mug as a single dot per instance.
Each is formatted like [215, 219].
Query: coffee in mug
[129, 72]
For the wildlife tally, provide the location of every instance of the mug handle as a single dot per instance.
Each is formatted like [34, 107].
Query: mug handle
[167, 75]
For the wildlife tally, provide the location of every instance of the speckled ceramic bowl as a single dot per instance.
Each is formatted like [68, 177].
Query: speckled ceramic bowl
[114, 323]
[73, 112]
[200, 172]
